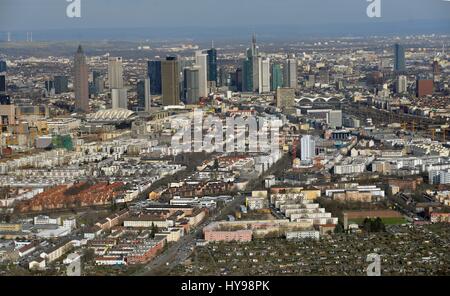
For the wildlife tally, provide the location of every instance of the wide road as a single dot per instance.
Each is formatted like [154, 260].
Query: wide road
[178, 252]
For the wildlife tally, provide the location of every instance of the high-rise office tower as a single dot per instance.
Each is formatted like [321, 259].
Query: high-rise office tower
[192, 84]
[170, 81]
[290, 70]
[81, 83]
[399, 58]
[308, 148]
[3, 67]
[247, 76]
[144, 94]
[264, 74]
[50, 87]
[239, 78]
[424, 87]
[119, 98]
[115, 72]
[140, 91]
[95, 74]
[61, 84]
[154, 73]
[276, 77]
[212, 65]
[148, 95]
[201, 61]
[99, 84]
[402, 84]
[253, 56]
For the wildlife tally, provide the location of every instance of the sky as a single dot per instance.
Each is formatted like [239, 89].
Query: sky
[35, 15]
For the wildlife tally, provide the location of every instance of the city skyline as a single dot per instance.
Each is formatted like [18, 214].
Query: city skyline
[44, 14]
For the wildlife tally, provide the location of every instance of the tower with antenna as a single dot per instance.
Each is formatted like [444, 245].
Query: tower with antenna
[9, 37]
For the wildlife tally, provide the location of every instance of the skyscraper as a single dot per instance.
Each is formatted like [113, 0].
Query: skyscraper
[290, 72]
[251, 67]
[119, 98]
[212, 65]
[399, 62]
[170, 81]
[144, 95]
[154, 73]
[239, 79]
[201, 61]
[115, 72]
[3, 67]
[401, 85]
[192, 84]
[140, 91]
[247, 74]
[81, 84]
[424, 87]
[61, 84]
[49, 86]
[264, 74]
[308, 148]
[276, 77]
[253, 55]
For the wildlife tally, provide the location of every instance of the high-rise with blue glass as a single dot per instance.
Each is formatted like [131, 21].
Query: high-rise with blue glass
[399, 62]
[212, 65]
[276, 77]
[154, 74]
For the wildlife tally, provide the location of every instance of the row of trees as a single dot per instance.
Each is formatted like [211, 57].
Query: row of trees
[373, 225]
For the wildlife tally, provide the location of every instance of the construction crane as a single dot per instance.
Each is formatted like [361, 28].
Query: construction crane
[433, 134]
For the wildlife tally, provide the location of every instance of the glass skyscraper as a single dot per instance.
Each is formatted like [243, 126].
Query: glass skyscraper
[154, 73]
[277, 77]
[399, 62]
[61, 84]
[212, 65]
[247, 73]
[3, 66]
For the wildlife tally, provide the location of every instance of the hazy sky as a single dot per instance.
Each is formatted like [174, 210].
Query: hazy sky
[47, 14]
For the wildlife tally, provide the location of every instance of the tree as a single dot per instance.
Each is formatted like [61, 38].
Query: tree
[339, 228]
[153, 230]
[367, 224]
[378, 225]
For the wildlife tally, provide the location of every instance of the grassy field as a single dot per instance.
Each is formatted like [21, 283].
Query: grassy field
[386, 221]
